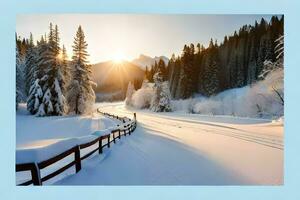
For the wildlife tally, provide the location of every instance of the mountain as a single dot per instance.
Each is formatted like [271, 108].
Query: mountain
[143, 61]
[113, 77]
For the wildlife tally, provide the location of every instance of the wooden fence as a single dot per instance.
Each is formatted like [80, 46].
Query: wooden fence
[34, 168]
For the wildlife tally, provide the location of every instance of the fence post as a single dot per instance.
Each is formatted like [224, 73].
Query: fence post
[35, 174]
[134, 116]
[100, 145]
[114, 138]
[108, 139]
[77, 159]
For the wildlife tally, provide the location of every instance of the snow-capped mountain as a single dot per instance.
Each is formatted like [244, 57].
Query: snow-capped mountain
[143, 60]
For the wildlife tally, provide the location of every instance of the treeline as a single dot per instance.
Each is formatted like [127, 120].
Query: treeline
[236, 62]
[47, 81]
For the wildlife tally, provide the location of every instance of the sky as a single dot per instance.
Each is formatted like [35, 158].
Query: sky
[126, 36]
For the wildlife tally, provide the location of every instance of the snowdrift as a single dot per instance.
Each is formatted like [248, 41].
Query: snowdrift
[39, 154]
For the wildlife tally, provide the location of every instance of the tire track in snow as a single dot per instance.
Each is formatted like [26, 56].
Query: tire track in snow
[237, 133]
[240, 135]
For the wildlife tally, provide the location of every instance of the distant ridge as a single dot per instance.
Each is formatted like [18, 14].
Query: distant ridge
[143, 60]
[112, 77]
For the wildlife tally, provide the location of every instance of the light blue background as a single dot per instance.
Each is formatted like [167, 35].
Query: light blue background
[291, 188]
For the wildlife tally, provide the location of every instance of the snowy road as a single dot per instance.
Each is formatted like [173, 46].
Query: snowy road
[177, 149]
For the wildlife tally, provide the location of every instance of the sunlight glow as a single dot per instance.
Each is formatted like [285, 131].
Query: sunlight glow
[118, 58]
[59, 56]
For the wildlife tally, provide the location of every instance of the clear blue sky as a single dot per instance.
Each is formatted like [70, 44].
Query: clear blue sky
[111, 36]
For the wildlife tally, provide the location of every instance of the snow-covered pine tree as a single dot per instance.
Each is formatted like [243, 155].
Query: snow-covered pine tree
[50, 75]
[58, 98]
[273, 72]
[270, 66]
[35, 92]
[30, 65]
[165, 98]
[130, 91]
[35, 98]
[65, 68]
[81, 96]
[19, 78]
[161, 101]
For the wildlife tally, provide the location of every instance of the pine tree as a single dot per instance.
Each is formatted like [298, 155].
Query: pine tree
[270, 66]
[19, 78]
[161, 66]
[151, 73]
[129, 93]
[65, 68]
[146, 77]
[235, 62]
[187, 75]
[171, 71]
[81, 96]
[35, 98]
[251, 74]
[35, 92]
[174, 83]
[54, 100]
[56, 40]
[30, 64]
[161, 100]
[49, 77]
[211, 73]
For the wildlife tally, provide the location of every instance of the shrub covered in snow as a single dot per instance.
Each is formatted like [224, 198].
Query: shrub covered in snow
[184, 105]
[142, 98]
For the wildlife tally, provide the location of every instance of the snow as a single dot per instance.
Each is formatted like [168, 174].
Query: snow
[258, 100]
[161, 100]
[174, 148]
[60, 102]
[188, 149]
[110, 96]
[146, 158]
[33, 131]
[130, 91]
[41, 138]
[45, 149]
[143, 96]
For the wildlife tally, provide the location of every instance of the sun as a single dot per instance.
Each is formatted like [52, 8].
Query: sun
[118, 58]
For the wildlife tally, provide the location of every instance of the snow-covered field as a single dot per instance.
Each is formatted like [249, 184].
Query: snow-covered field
[171, 149]
[40, 138]
[38, 131]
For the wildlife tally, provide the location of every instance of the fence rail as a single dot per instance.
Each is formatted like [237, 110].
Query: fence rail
[129, 126]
